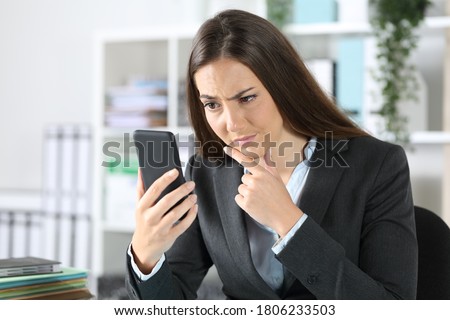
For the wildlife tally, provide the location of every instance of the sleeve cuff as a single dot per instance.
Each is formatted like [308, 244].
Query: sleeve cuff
[282, 242]
[139, 274]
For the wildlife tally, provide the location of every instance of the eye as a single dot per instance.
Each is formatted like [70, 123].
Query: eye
[212, 106]
[247, 99]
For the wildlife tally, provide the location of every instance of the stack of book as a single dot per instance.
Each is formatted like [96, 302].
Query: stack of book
[37, 278]
[138, 104]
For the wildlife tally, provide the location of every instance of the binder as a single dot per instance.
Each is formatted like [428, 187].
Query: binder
[66, 200]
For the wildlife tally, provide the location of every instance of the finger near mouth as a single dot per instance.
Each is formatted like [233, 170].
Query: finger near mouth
[250, 149]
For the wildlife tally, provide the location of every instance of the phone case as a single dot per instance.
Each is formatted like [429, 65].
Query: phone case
[157, 153]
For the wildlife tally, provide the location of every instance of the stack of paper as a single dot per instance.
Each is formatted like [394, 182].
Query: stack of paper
[138, 104]
[68, 284]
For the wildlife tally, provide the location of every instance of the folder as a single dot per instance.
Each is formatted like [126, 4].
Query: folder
[27, 266]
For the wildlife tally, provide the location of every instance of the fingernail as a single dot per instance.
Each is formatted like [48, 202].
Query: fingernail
[227, 150]
[193, 198]
[172, 172]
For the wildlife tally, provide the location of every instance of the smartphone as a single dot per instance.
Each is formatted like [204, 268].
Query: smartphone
[157, 153]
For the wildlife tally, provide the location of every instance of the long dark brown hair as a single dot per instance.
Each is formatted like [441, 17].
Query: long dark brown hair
[256, 43]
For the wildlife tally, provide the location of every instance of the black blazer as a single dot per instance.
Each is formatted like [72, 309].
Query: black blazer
[358, 242]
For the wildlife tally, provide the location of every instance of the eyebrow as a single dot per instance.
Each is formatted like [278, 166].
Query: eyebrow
[236, 96]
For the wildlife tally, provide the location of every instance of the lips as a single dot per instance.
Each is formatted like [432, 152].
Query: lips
[243, 140]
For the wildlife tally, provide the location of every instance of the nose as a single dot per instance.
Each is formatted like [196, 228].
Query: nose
[234, 119]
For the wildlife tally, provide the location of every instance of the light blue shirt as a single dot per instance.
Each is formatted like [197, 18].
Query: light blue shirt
[264, 242]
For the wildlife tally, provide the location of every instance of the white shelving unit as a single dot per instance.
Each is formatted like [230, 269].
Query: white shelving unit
[161, 53]
[319, 40]
[164, 52]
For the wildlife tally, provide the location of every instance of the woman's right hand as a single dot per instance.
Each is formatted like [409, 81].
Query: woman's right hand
[157, 228]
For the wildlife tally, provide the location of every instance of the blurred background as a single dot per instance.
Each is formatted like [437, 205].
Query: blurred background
[78, 77]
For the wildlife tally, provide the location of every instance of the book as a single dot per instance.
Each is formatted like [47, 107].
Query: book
[27, 266]
[71, 294]
[314, 11]
[140, 95]
[155, 103]
[65, 274]
[350, 76]
[47, 286]
[20, 292]
[70, 283]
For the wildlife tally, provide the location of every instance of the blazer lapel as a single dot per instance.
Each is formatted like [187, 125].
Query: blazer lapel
[326, 168]
[226, 183]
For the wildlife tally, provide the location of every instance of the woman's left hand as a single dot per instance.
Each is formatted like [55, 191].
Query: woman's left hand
[263, 194]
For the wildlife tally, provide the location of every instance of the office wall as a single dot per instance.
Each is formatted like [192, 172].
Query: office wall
[46, 62]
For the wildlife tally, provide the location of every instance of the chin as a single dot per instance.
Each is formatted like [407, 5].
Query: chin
[252, 152]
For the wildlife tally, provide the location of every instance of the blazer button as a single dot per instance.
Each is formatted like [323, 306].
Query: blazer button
[312, 279]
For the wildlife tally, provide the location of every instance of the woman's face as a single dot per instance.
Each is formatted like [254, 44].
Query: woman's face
[238, 107]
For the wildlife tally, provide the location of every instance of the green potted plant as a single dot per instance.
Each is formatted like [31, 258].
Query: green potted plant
[279, 11]
[394, 24]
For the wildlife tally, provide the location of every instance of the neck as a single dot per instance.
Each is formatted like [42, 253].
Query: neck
[288, 154]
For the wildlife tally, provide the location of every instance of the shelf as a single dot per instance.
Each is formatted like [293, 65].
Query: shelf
[437, 22]
[159, 52]
[122, 228]
[333, 28]
[163, 32]
[119, 132]
[430, 137]
[342, 28]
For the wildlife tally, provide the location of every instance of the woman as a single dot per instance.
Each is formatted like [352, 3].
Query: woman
[292, 200]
